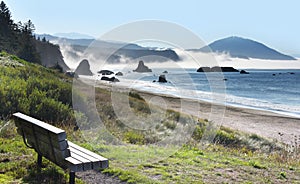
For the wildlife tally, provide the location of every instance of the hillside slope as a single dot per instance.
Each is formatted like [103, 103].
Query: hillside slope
[245, 48]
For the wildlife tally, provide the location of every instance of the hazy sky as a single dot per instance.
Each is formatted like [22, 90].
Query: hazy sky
[274, 23]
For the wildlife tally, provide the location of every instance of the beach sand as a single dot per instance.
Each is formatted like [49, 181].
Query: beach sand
[267, 124]
[264, 123]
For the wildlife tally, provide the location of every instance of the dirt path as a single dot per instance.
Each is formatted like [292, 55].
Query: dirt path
[96, 177]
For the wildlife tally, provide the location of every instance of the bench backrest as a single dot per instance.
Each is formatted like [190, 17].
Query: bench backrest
[47, 140]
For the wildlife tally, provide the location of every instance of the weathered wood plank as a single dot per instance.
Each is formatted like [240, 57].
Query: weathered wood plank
[103, 161]
[95, 162]
[45, 138]
[58, 154]
[60, 135]
[73, 164]
[87, 165]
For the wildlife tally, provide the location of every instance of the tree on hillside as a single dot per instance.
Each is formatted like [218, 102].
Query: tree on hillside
[27, 48]
[5, 16]
[6, 25]
[18, 39]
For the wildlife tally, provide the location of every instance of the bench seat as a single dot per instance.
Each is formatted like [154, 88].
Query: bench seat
[82, 159]
[51, 142]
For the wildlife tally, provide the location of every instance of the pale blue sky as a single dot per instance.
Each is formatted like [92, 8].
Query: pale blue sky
[274, 23]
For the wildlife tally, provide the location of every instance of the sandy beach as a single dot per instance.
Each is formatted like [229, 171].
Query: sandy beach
[267, 124]
[264, 123]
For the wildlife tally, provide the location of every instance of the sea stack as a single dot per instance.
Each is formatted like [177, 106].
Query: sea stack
[83, 68]
[162, 78]
[142, 68]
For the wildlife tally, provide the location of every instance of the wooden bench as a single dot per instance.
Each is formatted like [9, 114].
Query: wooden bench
[51, 142]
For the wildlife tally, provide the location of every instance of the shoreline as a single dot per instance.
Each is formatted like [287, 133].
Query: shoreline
[264, 123]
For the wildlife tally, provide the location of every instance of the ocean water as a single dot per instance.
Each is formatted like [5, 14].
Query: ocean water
[270, 90]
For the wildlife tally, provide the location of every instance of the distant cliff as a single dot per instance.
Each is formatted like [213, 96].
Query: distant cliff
[50, 55]
[116, 50]
[245, 48]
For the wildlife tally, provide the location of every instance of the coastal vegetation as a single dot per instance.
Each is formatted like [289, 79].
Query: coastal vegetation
[46, 94]
[34, 89]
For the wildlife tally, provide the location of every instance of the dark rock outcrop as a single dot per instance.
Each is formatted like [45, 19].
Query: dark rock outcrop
[243, 72]
[112, 79]
[105, 72]
[70, 73]
[142, 68]
[165, 71]
[119, 74]
[83, 68]
[217, 69]
[162, 78]
[204, 69]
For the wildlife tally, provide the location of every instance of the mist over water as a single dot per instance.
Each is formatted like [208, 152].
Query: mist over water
[188, 59]
[281, 95]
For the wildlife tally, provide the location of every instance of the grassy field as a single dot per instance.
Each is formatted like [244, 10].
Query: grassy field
[232, 157]
[143, 164]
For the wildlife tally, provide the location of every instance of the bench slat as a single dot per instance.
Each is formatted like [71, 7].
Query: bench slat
[38, 122]
[59, 135]
[73, 164]
[87, 165]
[61, 145]
[103, 161]
[96, 164]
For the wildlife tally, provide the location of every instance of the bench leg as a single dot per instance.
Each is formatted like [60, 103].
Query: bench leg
[39, 162]
[72, 177]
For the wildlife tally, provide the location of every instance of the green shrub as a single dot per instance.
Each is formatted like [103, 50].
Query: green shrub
[136, 96]
[134, 137]
[227, 139]
[173, 115]
[198, 133]
[138, 103]
[256, 165]
[170, 124]
[34, 90]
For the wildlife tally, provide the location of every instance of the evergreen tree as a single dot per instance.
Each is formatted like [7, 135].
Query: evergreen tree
[5, 27]
[28, 49]
[18, 39]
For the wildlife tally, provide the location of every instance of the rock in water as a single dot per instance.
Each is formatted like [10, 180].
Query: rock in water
[243, 72]
[83, 68]
[162, 78]
[105, 72]
[112, 79]
[217, 69]
[119, 74]
[204, 69]
[142, 68]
